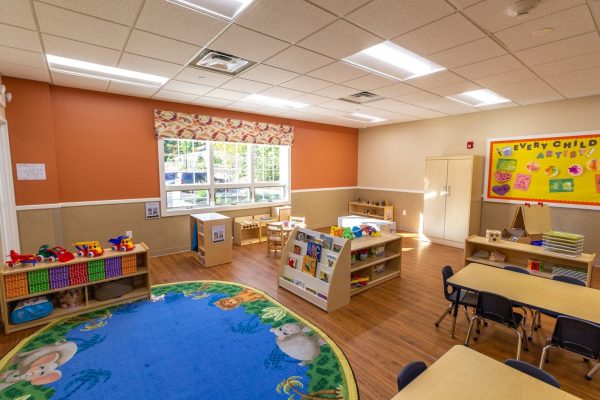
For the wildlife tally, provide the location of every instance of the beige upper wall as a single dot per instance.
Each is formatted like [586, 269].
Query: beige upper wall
[393, 156]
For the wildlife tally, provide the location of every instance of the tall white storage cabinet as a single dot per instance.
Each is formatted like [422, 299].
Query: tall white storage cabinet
[452, 199]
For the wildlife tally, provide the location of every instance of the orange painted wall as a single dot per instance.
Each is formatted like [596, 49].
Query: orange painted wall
[101, 146]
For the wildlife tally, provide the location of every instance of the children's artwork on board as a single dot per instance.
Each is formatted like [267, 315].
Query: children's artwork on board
[561, 185]
[507, 165]
[522, 182]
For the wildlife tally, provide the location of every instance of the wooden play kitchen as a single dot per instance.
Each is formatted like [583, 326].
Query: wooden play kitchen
[211, 238]
[25, 282]
[328, 283]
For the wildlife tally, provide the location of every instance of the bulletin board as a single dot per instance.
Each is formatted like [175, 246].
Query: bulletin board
[559, 169]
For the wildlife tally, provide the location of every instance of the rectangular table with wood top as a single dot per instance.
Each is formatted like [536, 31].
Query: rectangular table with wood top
[463, 373]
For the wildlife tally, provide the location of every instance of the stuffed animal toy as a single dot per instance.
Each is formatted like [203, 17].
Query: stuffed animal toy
[71, 298]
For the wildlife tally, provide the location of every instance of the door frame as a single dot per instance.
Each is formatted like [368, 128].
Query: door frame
[8, 209]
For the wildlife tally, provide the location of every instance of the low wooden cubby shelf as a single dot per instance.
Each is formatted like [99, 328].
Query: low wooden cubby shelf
[337, 291]
[23, 282]
[370, 210]
[518, 254]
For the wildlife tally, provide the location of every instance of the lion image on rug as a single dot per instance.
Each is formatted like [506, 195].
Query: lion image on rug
[245, 296]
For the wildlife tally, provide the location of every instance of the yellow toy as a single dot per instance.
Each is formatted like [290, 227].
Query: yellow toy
[89, 249]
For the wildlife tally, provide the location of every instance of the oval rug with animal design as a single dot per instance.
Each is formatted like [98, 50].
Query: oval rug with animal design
[191, 340]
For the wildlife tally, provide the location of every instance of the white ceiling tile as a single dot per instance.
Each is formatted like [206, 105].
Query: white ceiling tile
[460, 4]
[290, 20]
[266, 74]
[455, 88]
[160, 47]
[60, 22]
[21, 57]
[340, 105]
[395, 90]
[174, 96]
[499, 105]
[369, 82]
[595, 7]
[590, 74]
[531, 92]
[468, 53]
[493, 66]
[565, 24]
[275, 111]
[322, 111]
[299, 60]
[24, 72]
[245, 85]
[448, 32]
[306, 84]
[579, 89]
[443, 78]
[247, 44]
[25, 39]
[338, 72]
[17, 12]
[167, 19]
[568, 65]
[327, 41]
[123, 12]
[403, 108]
[571, 47]
[80, 51]
[493, 15]
[336, 91]
[506, 78]
[417, 97]
[202, 77]
[187, 87]
[227, 94]
[448, 106]
[282, 93]
[312, 99]
[79, 82]
[131, 90]
[148, 65]
[211, 102]
[390, 18]
[244, 106]
[339, 7]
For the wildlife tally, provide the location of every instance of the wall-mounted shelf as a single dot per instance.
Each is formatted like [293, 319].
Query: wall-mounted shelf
[372, 211]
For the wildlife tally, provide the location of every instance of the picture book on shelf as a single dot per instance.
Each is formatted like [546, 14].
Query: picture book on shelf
[300, 236]
[331, 259]
[324, 276]
[311, 290]
[292, 262]
[298, 282]
[309, 265]
[337, 248]
[297, 249]
[314, 250]
[326, 242]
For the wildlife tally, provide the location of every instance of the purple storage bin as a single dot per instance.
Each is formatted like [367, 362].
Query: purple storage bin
[59, 277]
[112, 267]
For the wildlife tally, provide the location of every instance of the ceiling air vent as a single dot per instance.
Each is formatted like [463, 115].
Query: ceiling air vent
[361, 98]
[222, 63]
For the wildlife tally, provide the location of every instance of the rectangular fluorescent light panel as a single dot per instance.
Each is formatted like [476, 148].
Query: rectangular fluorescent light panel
[226, 9]
[479, 98]
[97, 71]
[274, 102]
[393, 61]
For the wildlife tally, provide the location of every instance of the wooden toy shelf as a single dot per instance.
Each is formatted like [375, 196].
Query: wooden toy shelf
[368, 210]
[518, 254]
[213, 234]
[337, 291]
[23, 282]
[250, 229]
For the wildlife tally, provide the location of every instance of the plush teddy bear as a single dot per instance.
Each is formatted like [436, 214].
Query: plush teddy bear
[71, 298]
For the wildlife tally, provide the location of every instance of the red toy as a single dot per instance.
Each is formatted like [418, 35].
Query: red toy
[46, 253]
[16, 258]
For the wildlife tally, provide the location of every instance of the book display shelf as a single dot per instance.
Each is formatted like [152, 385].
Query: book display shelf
[24, 282]
[318, 267]
[370, 210]
[535, 259]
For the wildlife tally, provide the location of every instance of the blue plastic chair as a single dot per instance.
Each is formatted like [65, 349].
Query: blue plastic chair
[467, 299]
[533, 371]
[568, 279]
[409, 373]
[517, 269]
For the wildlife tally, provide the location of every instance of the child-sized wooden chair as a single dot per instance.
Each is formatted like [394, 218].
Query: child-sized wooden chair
[275, 238]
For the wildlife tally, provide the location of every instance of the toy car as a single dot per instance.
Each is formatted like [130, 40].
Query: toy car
[16, 258]
[51, 254]
[89, 249]
[122, 243]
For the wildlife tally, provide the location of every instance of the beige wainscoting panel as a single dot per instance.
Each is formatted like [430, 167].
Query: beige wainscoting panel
[37, 227]
[322, 207]
[411, 202]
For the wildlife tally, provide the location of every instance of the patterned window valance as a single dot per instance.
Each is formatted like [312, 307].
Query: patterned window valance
[172, 124]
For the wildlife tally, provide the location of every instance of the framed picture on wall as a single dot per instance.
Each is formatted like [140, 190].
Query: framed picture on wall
[153, 210]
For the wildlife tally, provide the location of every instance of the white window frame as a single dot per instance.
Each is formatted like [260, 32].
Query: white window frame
[285, 181]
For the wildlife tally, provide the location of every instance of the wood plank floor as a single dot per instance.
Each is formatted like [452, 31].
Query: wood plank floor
[383, 328]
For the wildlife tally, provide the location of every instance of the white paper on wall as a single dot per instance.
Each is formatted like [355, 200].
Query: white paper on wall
[31, 172]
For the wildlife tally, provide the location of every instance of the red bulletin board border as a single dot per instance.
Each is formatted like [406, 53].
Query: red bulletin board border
[491, 197]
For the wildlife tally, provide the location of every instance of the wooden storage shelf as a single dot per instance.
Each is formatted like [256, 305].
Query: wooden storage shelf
[208, 251]
[250, 229]
[338, 290]
[518, 254]
[368, 210]
[138, 265]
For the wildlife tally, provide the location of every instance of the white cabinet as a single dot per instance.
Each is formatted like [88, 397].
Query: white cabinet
[452, 199]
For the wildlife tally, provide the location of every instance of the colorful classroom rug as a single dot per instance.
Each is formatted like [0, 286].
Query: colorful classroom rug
[191, 340]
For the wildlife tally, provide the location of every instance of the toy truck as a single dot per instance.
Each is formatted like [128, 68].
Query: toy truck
[89, 249]
[16, 258]
[122, 243]
[51, 254]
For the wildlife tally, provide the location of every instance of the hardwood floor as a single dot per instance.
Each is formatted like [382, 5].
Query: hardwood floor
[383, 328]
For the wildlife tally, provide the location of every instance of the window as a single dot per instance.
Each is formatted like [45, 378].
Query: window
[199, 174]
